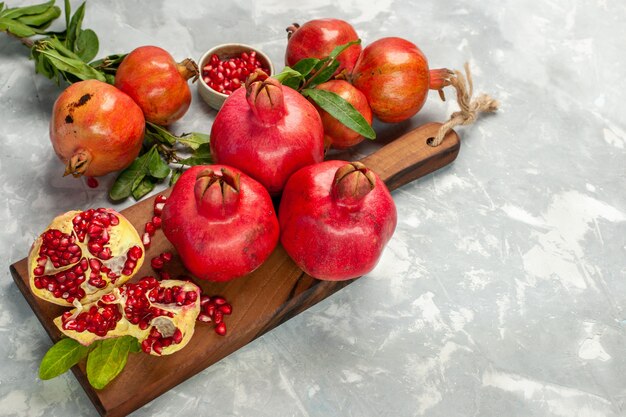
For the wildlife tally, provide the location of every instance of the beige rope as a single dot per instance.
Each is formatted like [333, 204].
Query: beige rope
[469, 109]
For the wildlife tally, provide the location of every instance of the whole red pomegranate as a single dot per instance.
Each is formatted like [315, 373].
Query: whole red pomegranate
[394, 76]
[157, 83]
[160, 314]
[336, 134]
[221, 222]
[268, 131]
[82, 255]
[335, 219]
[317, 38]
[96, 129]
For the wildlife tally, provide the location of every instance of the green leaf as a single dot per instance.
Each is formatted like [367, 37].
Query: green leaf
[135, 346]
[339, 49]
[42, 67]
[290, 78]
[341, 110]
[157, 167]
[16, 12]
[202, 156]
[144, 187]
[176, 175]
[109, 63]
[75, 67]
[306, 65]
[323, 75]
[123, 186]
[68, 13]
[107, 360]
[16, 28]
[61, 357]
[42, 20]
[194, 140]
[159, 134]
[87, 45]
[74, 28]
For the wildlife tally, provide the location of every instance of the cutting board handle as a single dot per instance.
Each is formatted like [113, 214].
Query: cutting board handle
[410, 156]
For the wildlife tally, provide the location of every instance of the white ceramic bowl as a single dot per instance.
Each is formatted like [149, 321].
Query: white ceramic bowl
[214, 98]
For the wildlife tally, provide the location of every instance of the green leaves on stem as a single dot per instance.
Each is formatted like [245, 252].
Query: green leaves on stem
[153, 166]
[105, 358]
[308, 73]
[64, 55]
[24, 22]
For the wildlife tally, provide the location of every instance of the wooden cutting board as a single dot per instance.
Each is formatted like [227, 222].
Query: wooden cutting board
[262, 300]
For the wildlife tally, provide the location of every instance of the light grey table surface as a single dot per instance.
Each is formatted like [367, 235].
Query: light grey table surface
[502, 292]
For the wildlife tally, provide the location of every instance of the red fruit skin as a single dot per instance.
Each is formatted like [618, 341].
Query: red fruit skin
[268, 152]
[151, 77]
[328, 240]
[317, 38]
[96, 117]
[336, 134]
[218, 247]
[394, 76]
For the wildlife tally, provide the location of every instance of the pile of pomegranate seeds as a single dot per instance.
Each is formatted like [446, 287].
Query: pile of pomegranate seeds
[225, 76]
[213, 309]
[151, 227]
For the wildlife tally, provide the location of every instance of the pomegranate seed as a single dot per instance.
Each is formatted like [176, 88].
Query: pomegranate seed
[146, 346]
[156, 220]
[165, 275]
[218, 300]
[204, 318]
[135, 253]
[160, 199]
[177, 336]
[150, 229]
[70, 325]
[218, 317]
[95, 265]
[105, 254]
[157, 263]
[158, 208]
[39, 270]
[95, 248]
[226, 309]
[166, 256]
[210, 309]
[146, 240]
[180, 298]
[220, 329]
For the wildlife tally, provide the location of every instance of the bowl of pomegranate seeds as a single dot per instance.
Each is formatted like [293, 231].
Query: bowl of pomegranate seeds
[224, 69]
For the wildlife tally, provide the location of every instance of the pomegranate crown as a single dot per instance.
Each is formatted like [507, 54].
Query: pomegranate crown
[352, 183]
[265, 97]
[216, 193]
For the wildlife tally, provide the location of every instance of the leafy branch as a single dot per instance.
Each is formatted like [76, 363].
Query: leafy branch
[308, 73]
[69, 55]
[161, 148]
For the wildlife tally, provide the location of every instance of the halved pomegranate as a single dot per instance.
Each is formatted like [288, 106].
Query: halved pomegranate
[160, 314]
[82, 255]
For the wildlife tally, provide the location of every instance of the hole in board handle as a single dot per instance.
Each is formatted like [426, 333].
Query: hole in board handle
[429, 141]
